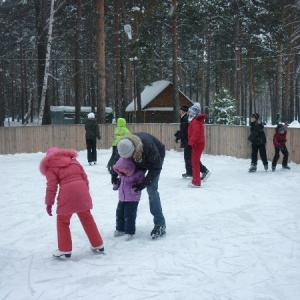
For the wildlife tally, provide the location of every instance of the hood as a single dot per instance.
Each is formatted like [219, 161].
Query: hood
[121, 122]
[60, 158]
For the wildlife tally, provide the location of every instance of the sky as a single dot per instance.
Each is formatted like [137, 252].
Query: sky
[237, 237]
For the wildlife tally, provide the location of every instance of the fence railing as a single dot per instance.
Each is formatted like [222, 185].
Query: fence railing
[220, 139]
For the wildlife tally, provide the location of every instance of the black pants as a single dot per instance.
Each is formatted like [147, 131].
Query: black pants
[126, 216]
[112, 161]
[91, 150]
[187, 153]
[285, 153]
[262, 153]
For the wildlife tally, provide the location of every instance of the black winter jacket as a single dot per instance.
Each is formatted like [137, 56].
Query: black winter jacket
[257, 135]
[149, 154]
[92, 130]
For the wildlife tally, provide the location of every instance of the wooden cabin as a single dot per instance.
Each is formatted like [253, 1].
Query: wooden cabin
[157, 103]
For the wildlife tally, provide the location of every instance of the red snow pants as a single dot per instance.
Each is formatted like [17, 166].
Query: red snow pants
[197, 150]
[88, 223]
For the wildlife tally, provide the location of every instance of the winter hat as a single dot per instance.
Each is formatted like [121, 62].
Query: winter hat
[255, 115]
[193, 111]
[51, 150]
[196, 108]
[184, 108]
[280, 128]
[91, 116]
[125, 148]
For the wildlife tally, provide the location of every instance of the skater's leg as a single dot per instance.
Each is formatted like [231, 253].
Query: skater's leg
[64, 238]
[155, 204]
[285, 153]
[120, 217]
[90, 228]
[276, 157]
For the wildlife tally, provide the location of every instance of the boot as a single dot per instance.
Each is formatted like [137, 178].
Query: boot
[252, 168]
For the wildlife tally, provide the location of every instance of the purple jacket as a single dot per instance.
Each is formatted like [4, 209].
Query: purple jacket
[129, 175]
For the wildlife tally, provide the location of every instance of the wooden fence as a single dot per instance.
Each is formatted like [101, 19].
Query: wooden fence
[220, 139]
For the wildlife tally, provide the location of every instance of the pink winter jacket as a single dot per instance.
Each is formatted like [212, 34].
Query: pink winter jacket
[61, 168]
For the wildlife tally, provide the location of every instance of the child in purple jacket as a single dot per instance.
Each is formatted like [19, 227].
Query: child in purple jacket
[128, 198]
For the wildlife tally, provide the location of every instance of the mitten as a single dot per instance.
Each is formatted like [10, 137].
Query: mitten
[49, 210]
[116, 185]
[114, 178]
[138, 186]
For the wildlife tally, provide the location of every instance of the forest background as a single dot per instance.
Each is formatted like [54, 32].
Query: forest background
[242, 55]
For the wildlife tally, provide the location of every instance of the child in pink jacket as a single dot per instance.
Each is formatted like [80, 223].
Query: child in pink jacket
[63, 170]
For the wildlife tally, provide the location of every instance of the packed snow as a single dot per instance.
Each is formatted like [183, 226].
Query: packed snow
[237, 237]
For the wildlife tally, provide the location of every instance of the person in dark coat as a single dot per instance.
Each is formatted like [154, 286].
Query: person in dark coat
[279, 141]
[148, 154]
[182, 135]
[91, 133]
[258, 141]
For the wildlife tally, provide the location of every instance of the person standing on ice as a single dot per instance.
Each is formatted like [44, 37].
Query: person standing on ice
[258, 141]
[182, 135]
[91, 134]
[128, 198]
[63, 170]
[148, 154]
[279, 141]
[196, 139]
[119, 132]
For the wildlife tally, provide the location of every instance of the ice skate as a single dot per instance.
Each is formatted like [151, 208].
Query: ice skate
[205, 175]
[191, 185]
[252, 168]
[158, 231]
[118, 233]
[58, 253]
[128, 237]
[99, 249]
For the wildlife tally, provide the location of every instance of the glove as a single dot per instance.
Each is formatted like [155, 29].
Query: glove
[138, 186]
[114, 179]
[49, 210]
[116, 185]
[177, 139]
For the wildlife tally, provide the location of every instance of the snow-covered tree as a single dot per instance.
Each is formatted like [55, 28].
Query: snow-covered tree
[224, 109]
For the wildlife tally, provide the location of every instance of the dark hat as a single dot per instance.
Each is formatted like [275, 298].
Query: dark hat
[280, 128]
[184, 107]
[255, 115]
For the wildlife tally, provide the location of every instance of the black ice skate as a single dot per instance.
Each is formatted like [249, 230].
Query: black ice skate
[252, 168]
[158, 231]
[205, 175]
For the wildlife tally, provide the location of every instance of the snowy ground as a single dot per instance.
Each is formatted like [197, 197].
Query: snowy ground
[235, 238]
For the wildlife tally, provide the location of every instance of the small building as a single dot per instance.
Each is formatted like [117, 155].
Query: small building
[157, 103]
[66, 114]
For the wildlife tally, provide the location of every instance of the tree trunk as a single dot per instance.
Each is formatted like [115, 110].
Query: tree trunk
[118, 77]
[175, 63]
[2, 106]
[77, 69]
[47, 63]
[101, 61]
